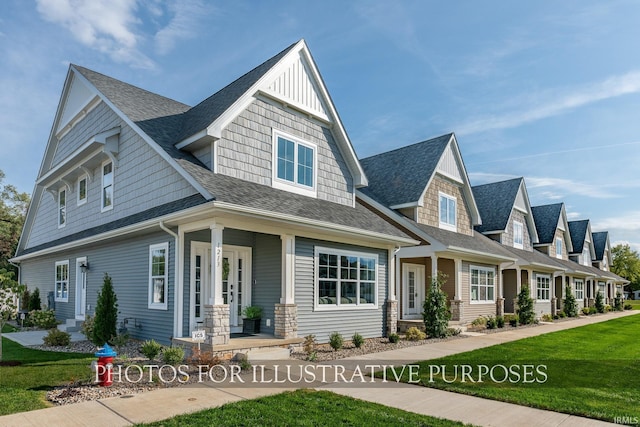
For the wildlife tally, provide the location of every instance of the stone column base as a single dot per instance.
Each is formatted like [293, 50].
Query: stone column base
[592, 302]
[392, 317]
[500, 307]
[286, 321]
[457, 309]
[216, 323]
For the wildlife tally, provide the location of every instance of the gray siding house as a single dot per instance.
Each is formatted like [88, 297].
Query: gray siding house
[248, 198]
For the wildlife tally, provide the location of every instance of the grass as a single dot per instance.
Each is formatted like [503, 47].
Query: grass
[304, 408]
[591, 370]
[634, 303]
[24, 387]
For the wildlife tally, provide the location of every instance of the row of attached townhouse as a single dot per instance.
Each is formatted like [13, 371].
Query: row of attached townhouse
[255, 196]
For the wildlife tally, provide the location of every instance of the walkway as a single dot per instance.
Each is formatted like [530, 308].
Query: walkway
[165, 403]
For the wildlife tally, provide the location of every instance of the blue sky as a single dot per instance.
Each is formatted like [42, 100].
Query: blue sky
[546, 90]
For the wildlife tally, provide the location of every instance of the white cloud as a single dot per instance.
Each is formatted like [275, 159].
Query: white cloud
[182, 26]
[573, 215]
[554, 104]
[561, 186]
[478, 178]
[105, 25]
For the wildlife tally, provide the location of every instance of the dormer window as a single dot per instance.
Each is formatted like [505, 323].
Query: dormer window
[107, 186]
[62, 208]
[448, 212]
[586, 257]
[558, 247]
[82, 190]
[518, 239]
[294, 164]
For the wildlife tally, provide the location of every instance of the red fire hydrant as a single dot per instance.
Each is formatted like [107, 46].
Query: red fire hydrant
[104, 367]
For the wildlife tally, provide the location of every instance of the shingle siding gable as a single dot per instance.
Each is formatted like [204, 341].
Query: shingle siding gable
[507, 237]
[429, 214]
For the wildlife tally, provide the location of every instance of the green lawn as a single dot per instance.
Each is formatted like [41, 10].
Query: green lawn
[591, 370]
[634, 303]
[24, 387]
[304, 408]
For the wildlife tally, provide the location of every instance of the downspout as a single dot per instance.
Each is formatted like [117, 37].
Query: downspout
[175, 279]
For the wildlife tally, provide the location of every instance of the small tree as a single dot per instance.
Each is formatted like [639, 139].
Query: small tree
[106, 318]
[617, 302]
[9, 290]
[24, 300]
[599, 302]
[34, 300]
[526, 313]
[570, 305]
[435, 313]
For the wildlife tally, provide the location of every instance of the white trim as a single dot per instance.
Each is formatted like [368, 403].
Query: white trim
[495, 284]
[419, 286]
[543, 276]
[159, 305]
[55, 281]
[339, 306]
[446, 225]
[85, 178]
[408, 205]
[61, 208]
[521, 244]
[81, 290]
[104, 208]
[293, 186]
[577, 282]
[202, 249]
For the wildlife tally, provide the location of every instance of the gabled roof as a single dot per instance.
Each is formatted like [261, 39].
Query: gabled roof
[578, 231]
[535, 259]
[547, 219]
[600, 240]
[400, 177]
[495, 202]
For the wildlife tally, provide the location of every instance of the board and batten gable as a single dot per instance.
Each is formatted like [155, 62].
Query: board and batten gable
[370, 323]
[245, 149]
[429, 213]
[142, 180]
[127, 263]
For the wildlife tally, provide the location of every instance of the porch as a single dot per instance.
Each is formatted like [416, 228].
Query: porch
[247, 345]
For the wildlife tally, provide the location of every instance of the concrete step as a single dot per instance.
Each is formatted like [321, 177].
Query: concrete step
[71, 325]
[268, 353]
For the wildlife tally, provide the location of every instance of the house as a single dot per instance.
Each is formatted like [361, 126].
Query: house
[603, 260]
[196, 212]
[424, 190]
[508, 219]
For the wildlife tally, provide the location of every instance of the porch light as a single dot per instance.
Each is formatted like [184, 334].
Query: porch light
[84, 267]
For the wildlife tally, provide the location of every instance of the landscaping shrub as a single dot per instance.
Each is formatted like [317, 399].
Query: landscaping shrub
[479, 322]
[500, 321]
[357, 340]
[394, 338]
[435, 312]
[104, 327]
[336, 341]
[452, 332]
[514, 322]
[562, 315]
[309, 343]
[87, 326]
[547, 318]
[120, 341]
[203, 358]
[593, 310]
[34, 300]
[628, 307]
[510, 318]
[570, 308]
[526, 313]
[24, 300]
[57, 338]
[617, 302]
[492, 323]
[150, 349]
[45, 319]
[585, 311]
[607, 308]
[415, 334]
[172, 355]
[599, 304]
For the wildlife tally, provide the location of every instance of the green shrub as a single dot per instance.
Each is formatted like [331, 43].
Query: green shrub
[120, 340]
[87, 326]
[45, 319]
[415, 334]
[500, 321]
[24, 300]
[607, 308]
[172, 355]
[104, 327]
[556, 317]
[585, 311]
[628, 307]
[394, 338]
[336, 341]
[546, 317]
[492, 323]
[511, 319]
[562, 315]
[357, 340]
[480, 321]
[599, 304]
[526, 313]
[570, 308]
[514, 322]
[34, 300]
[435, 312]
[57, 338]
[252, 312]
[309, 343]
[150, 349]
[452, 332]
[593, 310]
[617, 302]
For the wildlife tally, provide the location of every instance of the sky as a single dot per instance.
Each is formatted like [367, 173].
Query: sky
[547, 90]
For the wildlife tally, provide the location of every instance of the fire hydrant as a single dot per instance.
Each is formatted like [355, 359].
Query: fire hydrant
[104, 367]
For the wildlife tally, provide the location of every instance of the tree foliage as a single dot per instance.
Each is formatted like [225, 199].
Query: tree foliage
[599, 304]
[626, 263]
[9, 290]
[13, 208]
[435, 313]
[106, 319]
[570, 306]
[526, 312]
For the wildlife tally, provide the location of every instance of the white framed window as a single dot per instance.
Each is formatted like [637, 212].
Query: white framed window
[483, 284]
[158, 276]
[579, 284]
[107, 186]
[601, 289]
[558, 247]
[294, 164]
[345, 279]
[447, 212]
[543, 287]
[62, 281]
[62, 208]
[586, 256]
[82, 190]
[518, 235]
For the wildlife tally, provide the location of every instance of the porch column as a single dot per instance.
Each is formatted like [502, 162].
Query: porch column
[434, 268]
[457, 305]
[286, 312]
[518, 288]
[500, 292]
[217, 312]
[392, 300]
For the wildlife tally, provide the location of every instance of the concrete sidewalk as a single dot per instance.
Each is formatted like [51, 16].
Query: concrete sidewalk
[30, 338]
[166, 403]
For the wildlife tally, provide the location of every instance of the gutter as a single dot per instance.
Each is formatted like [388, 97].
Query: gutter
[175, 274]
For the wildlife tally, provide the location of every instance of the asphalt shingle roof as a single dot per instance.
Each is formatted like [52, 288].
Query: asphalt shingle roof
[578, 232]
[495, 202]
[400, 176]
[599, 243]
[534, 258]
[546, 219]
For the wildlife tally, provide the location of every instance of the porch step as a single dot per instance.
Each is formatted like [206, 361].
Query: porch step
[71, 325]
[270, 353]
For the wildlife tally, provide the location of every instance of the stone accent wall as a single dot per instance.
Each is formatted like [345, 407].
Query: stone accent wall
[507, 237]
[457, 310]
[286, 321]
[430, 213]
[392, 317]
[500, 306]
[216, 323]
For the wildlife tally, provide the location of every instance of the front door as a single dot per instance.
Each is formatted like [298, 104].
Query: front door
[236, 282]
[200, 284]
[81, 288]
[413, 290]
